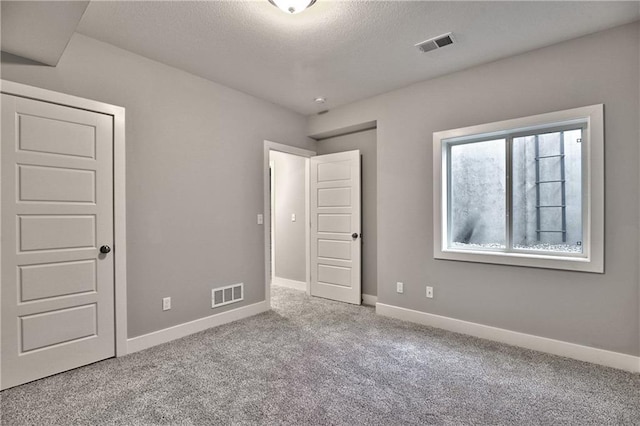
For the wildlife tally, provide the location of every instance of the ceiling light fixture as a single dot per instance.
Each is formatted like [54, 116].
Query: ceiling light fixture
[292, 6]
[319, 100]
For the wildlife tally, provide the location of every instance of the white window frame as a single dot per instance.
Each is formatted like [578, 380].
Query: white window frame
[592, 258]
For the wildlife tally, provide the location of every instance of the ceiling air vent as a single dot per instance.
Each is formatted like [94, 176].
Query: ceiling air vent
[435, 43]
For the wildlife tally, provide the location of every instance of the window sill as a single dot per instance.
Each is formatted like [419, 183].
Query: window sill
[568, 263]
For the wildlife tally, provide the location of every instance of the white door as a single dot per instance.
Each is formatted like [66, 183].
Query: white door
[335, 226]
[57, 290]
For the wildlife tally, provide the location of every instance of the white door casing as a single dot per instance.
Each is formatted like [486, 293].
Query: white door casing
[57, 291]
[272, 211]
[336, 226]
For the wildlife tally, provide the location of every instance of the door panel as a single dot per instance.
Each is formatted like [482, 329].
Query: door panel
[331, 249]
[39, 232]
[59, 326]
[338, 170]
[335, 216]
[334, 275]
[334, 197]
[75, 139]
[57, 290]
[56, 279]
[336, 223]
[56, 184]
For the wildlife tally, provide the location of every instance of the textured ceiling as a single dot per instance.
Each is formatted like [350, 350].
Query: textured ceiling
[342, 50]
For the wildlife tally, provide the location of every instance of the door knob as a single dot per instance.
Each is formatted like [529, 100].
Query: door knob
[354, 235]
[105, 249]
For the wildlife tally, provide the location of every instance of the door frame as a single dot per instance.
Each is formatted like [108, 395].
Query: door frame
[287, 149]
[119, 190]
[272, 208]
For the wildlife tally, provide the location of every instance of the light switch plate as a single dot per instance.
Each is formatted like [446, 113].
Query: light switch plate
[166, 303]
[260, 219]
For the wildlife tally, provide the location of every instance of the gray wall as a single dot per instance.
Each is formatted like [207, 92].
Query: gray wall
[599, 310]
[366, 142]
[290, 241]
[194, 176]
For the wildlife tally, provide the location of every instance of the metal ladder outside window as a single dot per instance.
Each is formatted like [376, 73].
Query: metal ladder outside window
[550, 183]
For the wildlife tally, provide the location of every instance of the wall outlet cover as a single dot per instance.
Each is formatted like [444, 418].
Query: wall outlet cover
[430, 292]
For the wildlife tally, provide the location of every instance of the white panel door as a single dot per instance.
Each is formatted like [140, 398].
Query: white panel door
[335, 226]
[57, 290]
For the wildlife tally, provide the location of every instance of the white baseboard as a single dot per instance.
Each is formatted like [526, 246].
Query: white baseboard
[529, 341]
[145, 341]
[285, 282]
[369, 300]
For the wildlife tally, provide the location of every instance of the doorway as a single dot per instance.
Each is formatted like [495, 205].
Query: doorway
[329, 237]
[296, 276]
[288, 219]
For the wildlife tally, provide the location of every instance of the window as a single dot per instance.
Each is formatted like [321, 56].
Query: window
[527, 191]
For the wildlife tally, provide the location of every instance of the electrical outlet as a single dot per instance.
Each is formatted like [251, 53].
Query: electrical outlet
[293, 217]
[430, 292]
[166, 303]
[399, 287]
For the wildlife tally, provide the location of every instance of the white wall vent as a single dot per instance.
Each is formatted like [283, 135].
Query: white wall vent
[224, 295]
[435, 42]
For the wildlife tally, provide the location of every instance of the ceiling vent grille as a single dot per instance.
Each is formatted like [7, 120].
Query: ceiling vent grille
[435, 42]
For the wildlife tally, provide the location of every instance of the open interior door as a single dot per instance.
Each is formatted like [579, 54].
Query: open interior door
[335, 226]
